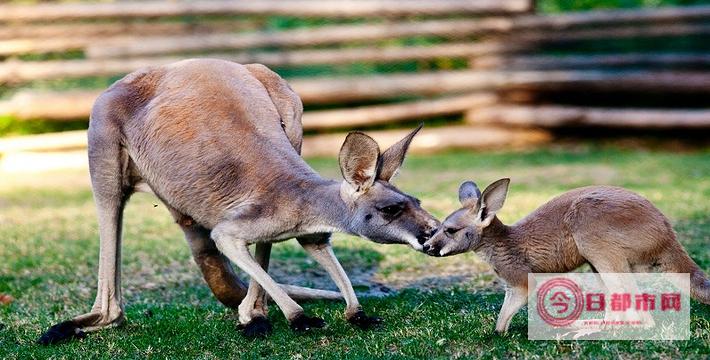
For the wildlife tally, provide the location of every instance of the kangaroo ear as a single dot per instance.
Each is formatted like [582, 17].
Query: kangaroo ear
[492, 200]
[358, 160]
[469, 194]
[392, 159]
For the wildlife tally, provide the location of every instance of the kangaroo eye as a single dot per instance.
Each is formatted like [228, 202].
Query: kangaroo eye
[391, 210]
[451, 231]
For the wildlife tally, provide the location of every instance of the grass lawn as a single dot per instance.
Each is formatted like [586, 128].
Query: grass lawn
[432, 307]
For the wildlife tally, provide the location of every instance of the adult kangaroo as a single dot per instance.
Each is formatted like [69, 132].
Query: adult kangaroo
[219, 143]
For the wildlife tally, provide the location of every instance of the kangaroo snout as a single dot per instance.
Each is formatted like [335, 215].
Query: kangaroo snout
[428, 233]
[430, 250]
[433, 246]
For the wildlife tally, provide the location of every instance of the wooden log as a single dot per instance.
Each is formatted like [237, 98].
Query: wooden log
[344, 89]
[127, 46]
[14, 72]
[44, 46]
[484, 55]
[62, 141]
[436, 139]
[392, 113]
[124, 46]
[95, 31]
[450, 29]
[40, 163]
[333, 34]
[346, 33]
[428, 141]
[547, 62]
[305, 8]
[648, 31]
[566, 116]
[78, 103]
[356, 8]
[53, 105]
[67, 105]
[597, 18]
[550, 39]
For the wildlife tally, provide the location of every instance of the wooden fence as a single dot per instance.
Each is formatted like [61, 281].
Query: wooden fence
[522, 73]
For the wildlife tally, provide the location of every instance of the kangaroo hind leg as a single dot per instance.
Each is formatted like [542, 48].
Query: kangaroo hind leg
[108, 164]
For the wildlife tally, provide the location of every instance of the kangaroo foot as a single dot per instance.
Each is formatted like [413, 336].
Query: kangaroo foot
[258, 327]
[364, 322]
[61, 332]
[76, 327]
[304, 323]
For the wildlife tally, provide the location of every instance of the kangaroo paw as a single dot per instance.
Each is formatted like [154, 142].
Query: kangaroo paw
[362, 321]
[304, 323]
[63, 331]
[258, 327]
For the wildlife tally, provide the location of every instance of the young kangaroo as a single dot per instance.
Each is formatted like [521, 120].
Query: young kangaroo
[218, 143]
[612, 229]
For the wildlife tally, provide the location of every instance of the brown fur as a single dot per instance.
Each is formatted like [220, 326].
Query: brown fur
[219, 144]
[612, 229]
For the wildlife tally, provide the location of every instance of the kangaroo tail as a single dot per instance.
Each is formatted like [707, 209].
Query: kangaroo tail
[304, 293]
[677, 260]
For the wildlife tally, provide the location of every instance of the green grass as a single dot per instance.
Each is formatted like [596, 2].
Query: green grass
[437, 307]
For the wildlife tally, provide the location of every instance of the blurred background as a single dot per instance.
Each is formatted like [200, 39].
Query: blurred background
[483, 74]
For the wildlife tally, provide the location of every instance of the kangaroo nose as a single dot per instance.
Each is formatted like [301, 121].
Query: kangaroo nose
[426, 235]
[431, 250]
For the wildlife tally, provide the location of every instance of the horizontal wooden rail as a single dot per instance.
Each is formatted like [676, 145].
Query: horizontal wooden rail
[66, 105]
[366, 8]
[605, 34]
[566, 116]
[122, 45]
[306, 8]
[343, 89]
[77, 104]
[436, 139]
[548, 62]
[392, 113]
[14, 72]
[62, 141]
[429, 140]
[95, 31]
[451, 29]
[597, 18]
[332, 34]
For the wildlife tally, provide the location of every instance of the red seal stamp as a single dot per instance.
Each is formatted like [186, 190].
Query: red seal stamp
[559, 301]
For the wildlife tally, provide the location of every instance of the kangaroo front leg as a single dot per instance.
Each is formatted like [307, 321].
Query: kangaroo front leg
[515, 298]
[318, 246]
[238, 251]
[253, 310]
